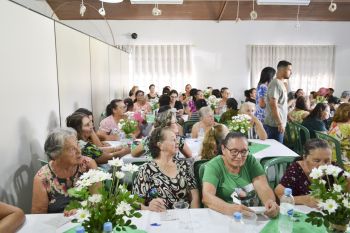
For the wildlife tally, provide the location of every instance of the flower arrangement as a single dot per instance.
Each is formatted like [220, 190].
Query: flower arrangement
[328, 186]
[321, 100]
[240, 123]
[213, 102]
[128, 126]
[154, 104]
[207, 93]
[112, 203]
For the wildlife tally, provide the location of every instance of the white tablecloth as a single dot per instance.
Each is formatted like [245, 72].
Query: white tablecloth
[201, 221]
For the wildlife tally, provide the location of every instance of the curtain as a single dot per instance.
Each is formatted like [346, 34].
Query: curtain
[312, 66]
[162, 65]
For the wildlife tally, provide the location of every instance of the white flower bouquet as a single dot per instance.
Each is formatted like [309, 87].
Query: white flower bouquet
[213, 102]
[240, 123]
[207, 93]
[329, 187]
[112, 202]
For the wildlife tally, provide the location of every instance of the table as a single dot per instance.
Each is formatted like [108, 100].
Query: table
[202, 220]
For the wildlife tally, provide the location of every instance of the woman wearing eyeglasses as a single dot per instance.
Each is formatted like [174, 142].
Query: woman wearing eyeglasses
[235, 180]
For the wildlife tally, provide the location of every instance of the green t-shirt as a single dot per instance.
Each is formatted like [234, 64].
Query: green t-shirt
[226, 183]
[278, 91]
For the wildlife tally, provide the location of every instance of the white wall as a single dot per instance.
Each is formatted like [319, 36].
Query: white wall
[28, 98]
[220, 49]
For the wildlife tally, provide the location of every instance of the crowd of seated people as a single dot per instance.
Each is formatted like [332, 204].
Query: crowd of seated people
[78, 148]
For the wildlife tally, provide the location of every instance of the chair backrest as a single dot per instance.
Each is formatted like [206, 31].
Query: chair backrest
[275, 168]
[336, 147]
[188, 126]
[302, 134]
[289, 139]
[198, 169]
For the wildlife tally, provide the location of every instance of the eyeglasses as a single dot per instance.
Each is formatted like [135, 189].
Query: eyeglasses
[235, 152]
[173, 96]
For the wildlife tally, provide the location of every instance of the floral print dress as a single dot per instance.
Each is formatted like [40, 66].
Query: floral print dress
[260, 94]
[57, 188]
[341, 131]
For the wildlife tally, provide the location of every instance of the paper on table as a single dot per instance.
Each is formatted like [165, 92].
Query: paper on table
[57, 221]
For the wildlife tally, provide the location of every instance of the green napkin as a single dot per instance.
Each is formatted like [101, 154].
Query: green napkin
[299, 226]
[128, 230]
[256, 147]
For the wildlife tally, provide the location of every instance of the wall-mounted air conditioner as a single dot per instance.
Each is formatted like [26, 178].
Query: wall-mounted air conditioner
[156, 1]
[284, 2]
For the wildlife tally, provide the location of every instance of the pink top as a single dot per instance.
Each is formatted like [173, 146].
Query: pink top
[109, 126]
[146, 107]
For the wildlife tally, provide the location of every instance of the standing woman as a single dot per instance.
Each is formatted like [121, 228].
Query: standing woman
[152, 95]
[266, 76]
[140, 103]
[172, 180]
[52, 181]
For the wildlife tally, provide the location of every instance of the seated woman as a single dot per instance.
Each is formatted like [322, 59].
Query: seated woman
[140, 103]
[83, 125]
[315, 121]
[211, 145]
[296, 177]
[300, 111]
[340, 129]
[235, 180]
[206, 116]
[175, 103]
[199, 104]
[152, 95]
[257, 129]
[231, 111]
[53, 180]
[166, 118]
[11, 218]
[196, 95]
[132, 92]
[250, 95]
[165, 180]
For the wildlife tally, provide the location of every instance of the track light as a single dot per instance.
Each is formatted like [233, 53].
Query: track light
[253, 14]
[82, 8]
[102, 10]
[332, 7]
[156, 11]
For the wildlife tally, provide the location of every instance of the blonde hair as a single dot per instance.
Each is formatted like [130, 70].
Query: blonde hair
[245, 105]
[212, 141]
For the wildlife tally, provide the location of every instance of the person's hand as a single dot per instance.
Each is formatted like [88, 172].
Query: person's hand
[157, 205]
[272, 209]
[68, 213]
[281, 128]
[241, 208]
[310, 201]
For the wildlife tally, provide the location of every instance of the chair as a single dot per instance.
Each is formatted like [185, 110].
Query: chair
[275, 169]
[336, 146]
[289, 140]
[188, 126]
[198, 169]
[301, 134]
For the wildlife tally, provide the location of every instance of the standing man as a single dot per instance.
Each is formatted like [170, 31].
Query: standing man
[277, 107]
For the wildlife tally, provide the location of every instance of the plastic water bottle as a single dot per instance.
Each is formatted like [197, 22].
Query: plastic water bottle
[201, 134]
[285, 221]
[80, 229]
[236, 223]
[107, 227]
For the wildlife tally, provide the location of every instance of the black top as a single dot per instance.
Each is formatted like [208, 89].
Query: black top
[178, 105]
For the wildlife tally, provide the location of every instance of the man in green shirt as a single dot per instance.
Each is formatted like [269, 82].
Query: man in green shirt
[235, 180]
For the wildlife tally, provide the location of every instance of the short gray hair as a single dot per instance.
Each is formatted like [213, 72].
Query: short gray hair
[345, 94]
[204, 111]
[55, 141]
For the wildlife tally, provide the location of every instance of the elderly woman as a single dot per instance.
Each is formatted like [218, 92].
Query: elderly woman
[140, 103]
[164, 119]
[165, 180]
[53, 180]
[11, 218]
[211, 146]
[297, 176]
[206, 116]
[83, 125]
[257, 128]
[340, 129]
[236, 174]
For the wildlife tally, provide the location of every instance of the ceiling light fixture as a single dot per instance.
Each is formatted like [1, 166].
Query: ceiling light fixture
[332, 7]
[156, 11]
[253, 13]
[237, 15]
[82, 8]
[102, 10]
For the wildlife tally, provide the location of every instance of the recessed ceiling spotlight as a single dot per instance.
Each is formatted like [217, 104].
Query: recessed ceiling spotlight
[156, 11]
[102, 10]
[332, 7]
[82, 8]
[253, 14]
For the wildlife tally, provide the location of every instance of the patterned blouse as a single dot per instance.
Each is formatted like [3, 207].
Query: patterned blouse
[57, 188]
[192, 106]
[342, 133]
[296, 179]
[297, 116]
[151, 179]
[260, 94]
